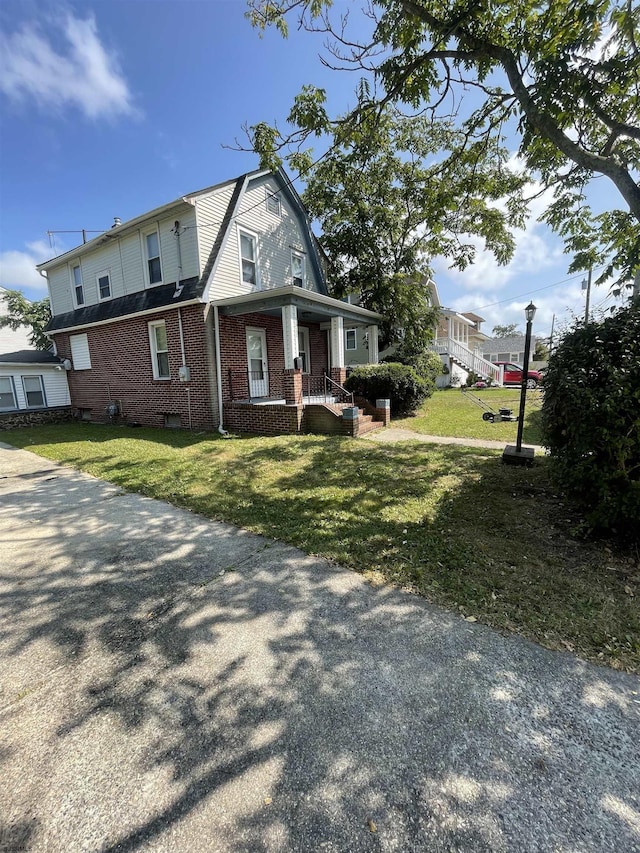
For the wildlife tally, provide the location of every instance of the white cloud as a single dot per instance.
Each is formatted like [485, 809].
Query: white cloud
[84, 74]
[18, 269]
[536, 248]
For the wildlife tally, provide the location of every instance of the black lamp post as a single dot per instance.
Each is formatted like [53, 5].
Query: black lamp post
[518, 455]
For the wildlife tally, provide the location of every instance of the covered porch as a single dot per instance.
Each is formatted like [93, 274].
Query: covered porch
[281, 351]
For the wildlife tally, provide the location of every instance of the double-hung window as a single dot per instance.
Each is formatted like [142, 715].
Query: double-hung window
[351, 341]
[159, 350]
[104, 284]
[7, 397]
[152, 249]
[33, 391]
[78, 289]
[297, 268]
[249, 258]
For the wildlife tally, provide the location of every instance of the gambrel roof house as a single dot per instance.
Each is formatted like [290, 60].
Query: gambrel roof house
[208, 312]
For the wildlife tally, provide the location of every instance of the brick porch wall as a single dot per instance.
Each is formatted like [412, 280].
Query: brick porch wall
[121, 370]
[233, 352]
[265, 420]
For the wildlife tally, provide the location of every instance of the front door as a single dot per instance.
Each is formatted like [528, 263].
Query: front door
[257, 362]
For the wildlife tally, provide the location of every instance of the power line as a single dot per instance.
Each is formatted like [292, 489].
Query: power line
[529, 292]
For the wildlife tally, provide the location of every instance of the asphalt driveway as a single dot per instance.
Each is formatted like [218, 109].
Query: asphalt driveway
[173, 684]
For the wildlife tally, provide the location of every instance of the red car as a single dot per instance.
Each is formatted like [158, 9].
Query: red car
[513, 374]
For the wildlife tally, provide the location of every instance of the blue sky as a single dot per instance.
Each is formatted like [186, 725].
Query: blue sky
[113, 108]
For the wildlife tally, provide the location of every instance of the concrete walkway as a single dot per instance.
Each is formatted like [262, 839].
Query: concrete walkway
[173, 684]
[396, 434]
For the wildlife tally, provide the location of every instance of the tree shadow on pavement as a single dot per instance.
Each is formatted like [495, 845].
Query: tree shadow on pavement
[173, 683]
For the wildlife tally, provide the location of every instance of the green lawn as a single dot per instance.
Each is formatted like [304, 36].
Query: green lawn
[489, 541]
[450, 412]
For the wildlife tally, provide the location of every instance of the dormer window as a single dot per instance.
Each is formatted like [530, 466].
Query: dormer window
[154, 267]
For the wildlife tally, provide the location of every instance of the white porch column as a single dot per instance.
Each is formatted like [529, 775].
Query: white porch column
[372, 335]
[450, 324]
[290, 335]
[337, 342]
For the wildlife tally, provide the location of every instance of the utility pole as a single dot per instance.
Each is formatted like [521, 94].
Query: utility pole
[586, 285]
[553, 322]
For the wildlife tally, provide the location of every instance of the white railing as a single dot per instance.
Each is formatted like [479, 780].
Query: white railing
[468, 359]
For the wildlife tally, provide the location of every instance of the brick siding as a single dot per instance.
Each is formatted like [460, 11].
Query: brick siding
[121, 370]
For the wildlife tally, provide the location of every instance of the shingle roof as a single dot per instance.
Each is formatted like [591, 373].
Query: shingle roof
[133, 303]
[29, 356]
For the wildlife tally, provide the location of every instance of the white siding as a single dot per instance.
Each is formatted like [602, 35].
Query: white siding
[125, 259]
[60, 289]
[56, 389]
[210, 211]
[276, 237]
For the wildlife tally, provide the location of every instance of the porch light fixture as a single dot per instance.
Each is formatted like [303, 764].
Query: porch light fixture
[520, 455]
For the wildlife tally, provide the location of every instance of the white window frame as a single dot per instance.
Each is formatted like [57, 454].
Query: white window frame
[153, 344]
[296, 253]
[270, 197]
[100, 275]
[12, 389]
[145, 254]
[24, 390]
[306, 347]
[355, 340]
[74, 286]
[256, 261]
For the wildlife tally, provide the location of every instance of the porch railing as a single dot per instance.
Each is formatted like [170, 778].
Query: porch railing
[269, 384]
[468, 359]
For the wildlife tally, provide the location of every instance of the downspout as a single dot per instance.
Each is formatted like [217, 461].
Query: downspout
[216, 327]
[184, 363]
[176, 231]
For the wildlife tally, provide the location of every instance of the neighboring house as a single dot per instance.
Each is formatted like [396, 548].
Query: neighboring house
[30, 380]
[459, 341]
[210, 311]
[508, 349]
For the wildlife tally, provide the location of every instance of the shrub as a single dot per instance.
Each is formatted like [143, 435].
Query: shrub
[396, 382]
[591, 419]
[426, 363]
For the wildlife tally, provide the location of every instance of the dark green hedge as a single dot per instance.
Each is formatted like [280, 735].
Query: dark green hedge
[591, 419]
[396, 382]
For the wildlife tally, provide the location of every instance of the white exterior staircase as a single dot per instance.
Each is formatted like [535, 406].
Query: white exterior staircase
[467, 359]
